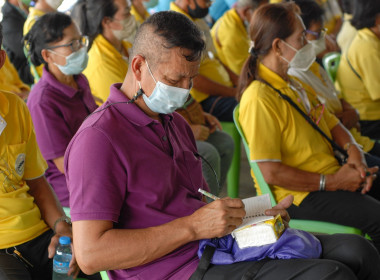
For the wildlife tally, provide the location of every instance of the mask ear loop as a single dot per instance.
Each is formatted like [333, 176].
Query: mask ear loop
[150, 72]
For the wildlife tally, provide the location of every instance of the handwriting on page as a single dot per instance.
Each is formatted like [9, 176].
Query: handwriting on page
[256, 206]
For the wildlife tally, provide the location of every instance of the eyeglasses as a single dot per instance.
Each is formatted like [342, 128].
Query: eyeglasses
[322, 33]
[75, 45]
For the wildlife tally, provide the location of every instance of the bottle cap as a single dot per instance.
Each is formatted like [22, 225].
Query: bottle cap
[64, 240]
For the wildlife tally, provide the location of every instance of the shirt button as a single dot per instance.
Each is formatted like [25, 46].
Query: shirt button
[164, 138]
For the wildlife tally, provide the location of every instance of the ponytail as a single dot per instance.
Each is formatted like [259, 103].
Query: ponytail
[247, 75]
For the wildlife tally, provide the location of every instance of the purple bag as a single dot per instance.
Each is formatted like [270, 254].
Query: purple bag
[293, 244]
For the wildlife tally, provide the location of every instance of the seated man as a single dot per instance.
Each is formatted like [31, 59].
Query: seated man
[230, 35]
[133, 175]
[214, 86]
[31, 217]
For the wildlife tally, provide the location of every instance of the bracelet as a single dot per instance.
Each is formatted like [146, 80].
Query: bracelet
[322, 183]
[64, 218]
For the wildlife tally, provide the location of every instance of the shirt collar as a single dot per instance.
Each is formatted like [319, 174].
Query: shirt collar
[4, 105]
[62, 88]
[271, 77]
[131, 111]
[175, 8]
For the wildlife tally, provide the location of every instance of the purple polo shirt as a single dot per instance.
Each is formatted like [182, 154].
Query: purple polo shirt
[125, 167]
[57, 112]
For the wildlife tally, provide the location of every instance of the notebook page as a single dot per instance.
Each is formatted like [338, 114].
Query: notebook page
[255, 207]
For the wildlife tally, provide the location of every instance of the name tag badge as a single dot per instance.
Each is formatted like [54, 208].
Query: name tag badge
[3, 124]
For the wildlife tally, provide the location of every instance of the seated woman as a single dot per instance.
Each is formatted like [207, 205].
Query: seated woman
[108, 24]
[292, 155]
[317, 78]
[62, 99]
[358, 73]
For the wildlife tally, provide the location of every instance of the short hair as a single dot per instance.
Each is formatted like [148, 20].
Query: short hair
[348, 6]
[310, 12]
[365, 13]
[254, 4]
[47, 29]
[88, 15]
[164, 31]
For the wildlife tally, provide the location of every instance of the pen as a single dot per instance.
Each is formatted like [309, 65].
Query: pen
[210, 195]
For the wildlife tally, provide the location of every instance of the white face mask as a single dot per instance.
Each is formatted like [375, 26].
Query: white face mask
[165, 99]
[319, 45]
[128, 31]
[54, 4]
[303, 58]
[76, 62]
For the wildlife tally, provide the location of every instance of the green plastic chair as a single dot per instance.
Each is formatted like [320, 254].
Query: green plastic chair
[103, 274]
[306, 225]
[331, 63]
[233, 175]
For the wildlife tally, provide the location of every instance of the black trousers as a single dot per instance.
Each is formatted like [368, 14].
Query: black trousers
[370, 129]
[35, 251]
[344, 257]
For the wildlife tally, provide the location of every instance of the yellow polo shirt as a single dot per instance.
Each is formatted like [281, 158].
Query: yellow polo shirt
[137, 16]
[210, 66]
[231, 41]
[10, 80]
[105, 67]
[275, 131]
[33, 15]
[364, 56]
[20, 160]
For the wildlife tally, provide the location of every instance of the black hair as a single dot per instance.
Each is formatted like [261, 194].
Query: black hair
[47, 29]
[365, 13]
[311, 12]
[348, 6]
[174, 30]
[88, 15]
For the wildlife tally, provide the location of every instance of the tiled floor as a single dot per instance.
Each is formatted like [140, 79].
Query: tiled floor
[247, 188]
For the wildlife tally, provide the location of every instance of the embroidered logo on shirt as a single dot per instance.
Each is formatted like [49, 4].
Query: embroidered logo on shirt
[20, 164]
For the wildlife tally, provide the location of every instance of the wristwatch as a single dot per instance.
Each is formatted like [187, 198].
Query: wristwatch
[61, 219]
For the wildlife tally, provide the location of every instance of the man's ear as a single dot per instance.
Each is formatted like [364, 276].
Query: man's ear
[137, 62]
[3, 56]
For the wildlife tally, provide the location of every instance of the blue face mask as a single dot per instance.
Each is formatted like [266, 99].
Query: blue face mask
[150, 4]
[75, 62]
[165, 99]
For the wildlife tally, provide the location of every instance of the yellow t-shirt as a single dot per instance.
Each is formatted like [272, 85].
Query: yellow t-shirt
[10, 80]
[210, 67]
[231, 41]
[137, 16]
[275, 131]
[20, 160]
[33, 15]
[364, 56]
[105, 67]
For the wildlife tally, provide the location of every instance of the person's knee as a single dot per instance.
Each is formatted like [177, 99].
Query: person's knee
[208, 152]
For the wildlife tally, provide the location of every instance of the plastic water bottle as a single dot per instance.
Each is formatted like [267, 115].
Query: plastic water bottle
[62, 259]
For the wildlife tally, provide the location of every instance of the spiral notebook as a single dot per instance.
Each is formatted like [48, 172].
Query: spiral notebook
[255, 208]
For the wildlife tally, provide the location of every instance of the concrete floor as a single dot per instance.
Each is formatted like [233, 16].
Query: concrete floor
[246, 185]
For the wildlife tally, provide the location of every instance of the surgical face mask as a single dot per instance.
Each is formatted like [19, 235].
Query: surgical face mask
[319, 45]
[165, 99]
[75, 62]
[150, 4]
[54, 4]
[198, 12]
[303, 58]
[128, 31]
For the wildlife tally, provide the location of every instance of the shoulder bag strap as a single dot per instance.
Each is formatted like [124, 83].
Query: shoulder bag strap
[308, 119]
[204, 263]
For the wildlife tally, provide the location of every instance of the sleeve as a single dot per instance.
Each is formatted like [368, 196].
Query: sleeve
[94, 177]
[330, 118]
[53, 133]
[369, 64]
[259, 121]
[35, 165]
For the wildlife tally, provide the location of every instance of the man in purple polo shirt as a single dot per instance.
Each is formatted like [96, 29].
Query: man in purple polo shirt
[133, 173]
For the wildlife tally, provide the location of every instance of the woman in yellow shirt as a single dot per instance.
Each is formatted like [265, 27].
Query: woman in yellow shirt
[358, 73]
[110, 27]
[292, 155]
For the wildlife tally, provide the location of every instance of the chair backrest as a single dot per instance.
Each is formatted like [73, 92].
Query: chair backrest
[331, 63]
[264, 187]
